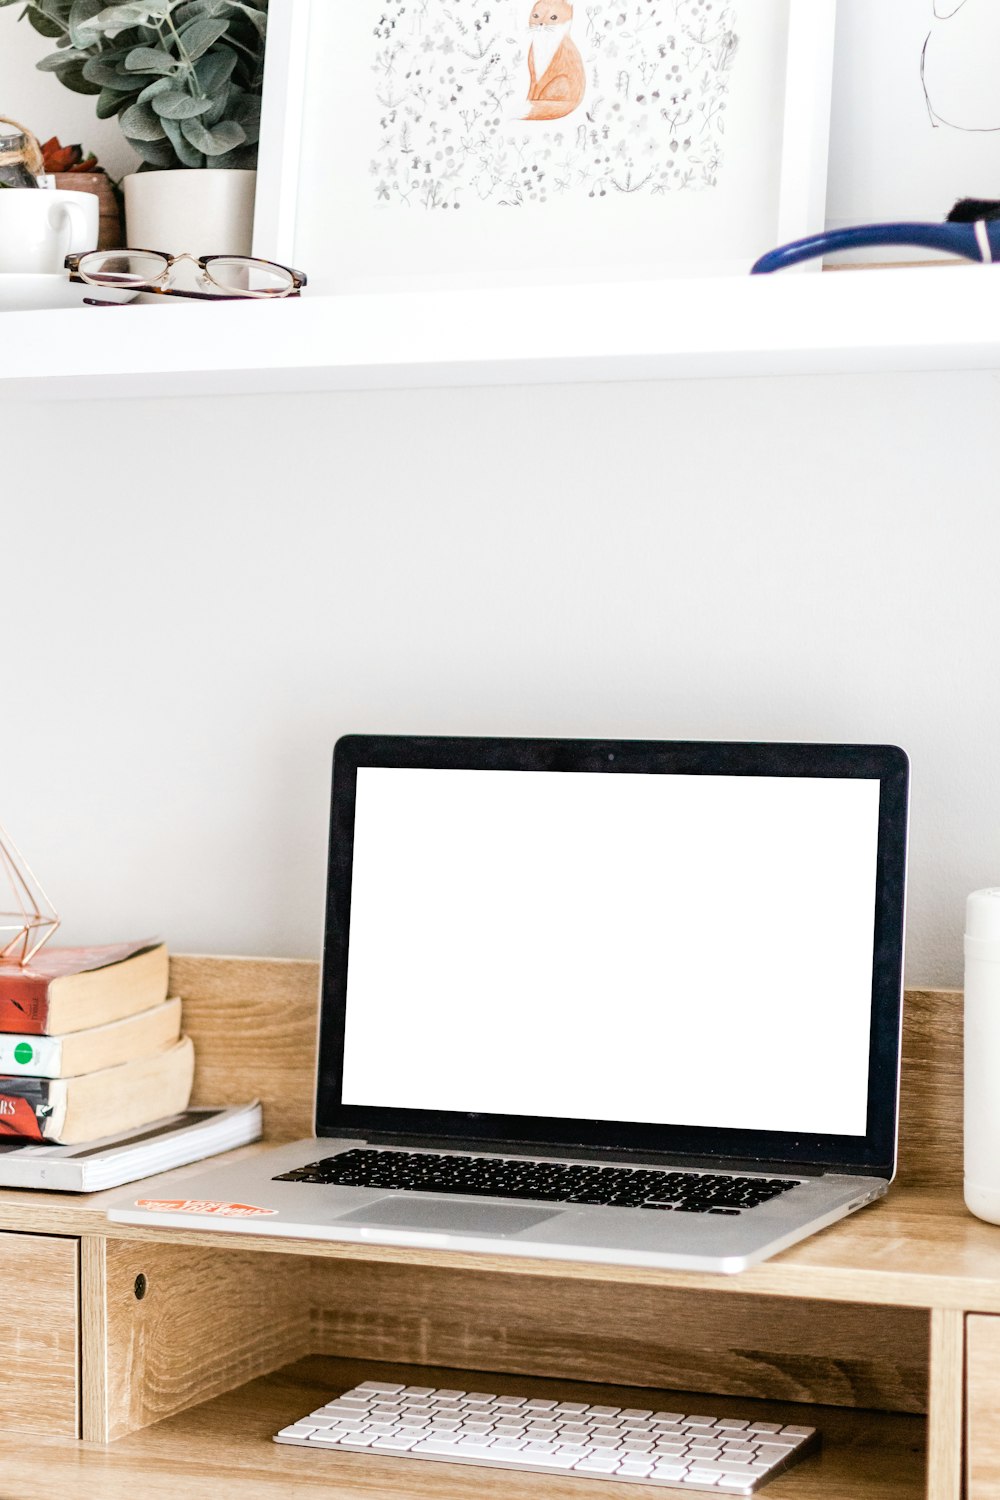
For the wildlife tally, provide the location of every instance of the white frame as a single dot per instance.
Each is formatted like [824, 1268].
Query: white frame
[805, 132]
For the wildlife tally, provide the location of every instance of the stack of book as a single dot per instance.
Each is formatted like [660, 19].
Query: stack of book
[90, 1044]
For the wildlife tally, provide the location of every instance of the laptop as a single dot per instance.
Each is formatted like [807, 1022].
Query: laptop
[633, 1002]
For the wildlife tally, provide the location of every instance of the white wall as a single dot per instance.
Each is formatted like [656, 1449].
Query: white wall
[200, 596]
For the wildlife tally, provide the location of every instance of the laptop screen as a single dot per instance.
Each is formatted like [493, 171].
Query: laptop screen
[619, 936]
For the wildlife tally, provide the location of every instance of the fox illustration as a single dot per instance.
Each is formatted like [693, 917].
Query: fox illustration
[556, 78]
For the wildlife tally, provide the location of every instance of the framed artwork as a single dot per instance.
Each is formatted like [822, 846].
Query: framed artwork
[416, 145]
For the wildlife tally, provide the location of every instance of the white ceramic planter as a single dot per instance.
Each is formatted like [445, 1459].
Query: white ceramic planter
[202, 212]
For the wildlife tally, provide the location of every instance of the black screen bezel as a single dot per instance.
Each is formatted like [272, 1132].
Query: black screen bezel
[873, 1154]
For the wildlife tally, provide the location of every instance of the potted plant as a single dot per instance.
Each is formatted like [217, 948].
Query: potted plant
[184, 78]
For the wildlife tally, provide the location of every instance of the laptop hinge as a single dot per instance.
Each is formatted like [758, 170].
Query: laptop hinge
[592, 1153]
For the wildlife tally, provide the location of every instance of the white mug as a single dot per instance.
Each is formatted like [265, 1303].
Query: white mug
[39, 227]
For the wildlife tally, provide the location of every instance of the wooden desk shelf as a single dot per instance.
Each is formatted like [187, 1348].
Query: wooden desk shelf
[863, 1326]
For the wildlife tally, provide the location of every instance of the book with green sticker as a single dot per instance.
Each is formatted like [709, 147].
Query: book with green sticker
[97, 1047]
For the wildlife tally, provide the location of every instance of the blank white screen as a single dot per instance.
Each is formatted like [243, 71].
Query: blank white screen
[687, 950]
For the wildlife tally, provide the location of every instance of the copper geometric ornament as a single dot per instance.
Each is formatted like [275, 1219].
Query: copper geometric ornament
[32, 919]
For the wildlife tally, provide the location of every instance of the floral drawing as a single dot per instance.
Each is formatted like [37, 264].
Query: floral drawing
[466, 117]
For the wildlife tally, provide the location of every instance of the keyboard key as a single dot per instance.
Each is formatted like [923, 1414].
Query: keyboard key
[669, 1471]
[595, 1465]
[553, 1460]
[378, 1388]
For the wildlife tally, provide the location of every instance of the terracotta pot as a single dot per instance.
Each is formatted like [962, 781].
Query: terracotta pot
[110, 233]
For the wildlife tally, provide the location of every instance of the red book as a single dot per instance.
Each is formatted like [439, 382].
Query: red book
[68, 989]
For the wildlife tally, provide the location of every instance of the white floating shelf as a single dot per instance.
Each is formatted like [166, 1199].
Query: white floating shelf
[926, 318]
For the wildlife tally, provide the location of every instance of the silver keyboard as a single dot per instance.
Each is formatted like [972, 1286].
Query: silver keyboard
[723, 1455]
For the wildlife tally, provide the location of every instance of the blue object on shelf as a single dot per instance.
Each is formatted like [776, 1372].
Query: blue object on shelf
[979, 241]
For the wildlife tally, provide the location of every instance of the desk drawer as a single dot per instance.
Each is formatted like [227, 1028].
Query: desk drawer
[982, 1406]
[39, 1334]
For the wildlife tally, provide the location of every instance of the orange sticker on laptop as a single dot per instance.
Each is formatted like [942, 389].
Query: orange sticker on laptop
[203, 1206]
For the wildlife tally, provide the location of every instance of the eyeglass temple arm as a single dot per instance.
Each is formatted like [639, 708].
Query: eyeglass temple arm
[979, 241]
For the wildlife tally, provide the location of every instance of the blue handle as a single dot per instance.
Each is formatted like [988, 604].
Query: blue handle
[953, 239]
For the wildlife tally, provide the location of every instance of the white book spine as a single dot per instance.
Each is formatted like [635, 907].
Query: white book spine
[30, 1056]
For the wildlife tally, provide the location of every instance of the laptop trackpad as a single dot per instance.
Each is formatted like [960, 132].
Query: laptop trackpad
[407, 1211]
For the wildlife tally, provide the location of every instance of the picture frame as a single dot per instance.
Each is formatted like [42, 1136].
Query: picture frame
[352, 90]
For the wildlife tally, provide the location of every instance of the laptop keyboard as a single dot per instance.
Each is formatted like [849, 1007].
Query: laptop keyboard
[542, 1181]
[727, 1455]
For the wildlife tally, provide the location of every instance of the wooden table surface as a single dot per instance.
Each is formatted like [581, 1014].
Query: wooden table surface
[222, 1450]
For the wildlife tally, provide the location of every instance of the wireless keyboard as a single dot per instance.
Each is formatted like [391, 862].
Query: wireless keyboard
[723, 1455]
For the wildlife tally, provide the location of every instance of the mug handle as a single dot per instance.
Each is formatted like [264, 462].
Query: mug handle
[74, 221]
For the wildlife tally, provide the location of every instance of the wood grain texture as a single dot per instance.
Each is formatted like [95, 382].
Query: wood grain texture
[209, 1321]
[223, 1450]
[95, 1423]
[982, 1375]
[945, 1414]
[740, 1345]
[930, 1103]
[253, 1022]
[39, 1335]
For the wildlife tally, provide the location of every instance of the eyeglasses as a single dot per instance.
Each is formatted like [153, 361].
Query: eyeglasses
[223, 277]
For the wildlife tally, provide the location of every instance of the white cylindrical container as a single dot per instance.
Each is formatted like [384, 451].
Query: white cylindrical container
[982, 1054]
[200, 211]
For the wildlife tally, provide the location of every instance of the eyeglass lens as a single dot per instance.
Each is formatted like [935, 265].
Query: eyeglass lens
[122, 267]
[257, 278]
[237, 275]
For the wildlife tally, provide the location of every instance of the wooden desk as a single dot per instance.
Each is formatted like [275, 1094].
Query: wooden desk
[886, 1324]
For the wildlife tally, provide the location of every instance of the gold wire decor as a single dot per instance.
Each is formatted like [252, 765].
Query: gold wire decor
[31, 918]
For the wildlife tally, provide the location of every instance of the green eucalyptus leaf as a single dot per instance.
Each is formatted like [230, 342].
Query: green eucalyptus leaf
[72, 78]
[107, 75]
[176, 105]
[156, 153]
[141, 123]
[56, 60]
[42, 23]
[111, 18]
[257, 17]
[110, 103]
[246, 112]
[187, 154]
[215, 69]
[216, 139]
[244, 158]
[80, 12]
[150, 60]
[220, 107]
[200, 35]
[160, 86]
